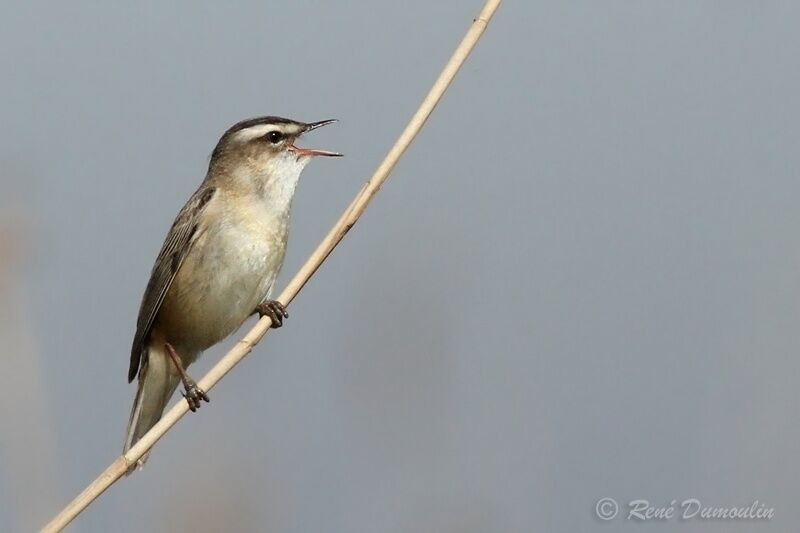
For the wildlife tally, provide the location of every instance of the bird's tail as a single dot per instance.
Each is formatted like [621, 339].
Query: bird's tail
[157, 381]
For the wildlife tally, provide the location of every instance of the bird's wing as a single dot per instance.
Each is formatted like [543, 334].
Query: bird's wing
[179, 241]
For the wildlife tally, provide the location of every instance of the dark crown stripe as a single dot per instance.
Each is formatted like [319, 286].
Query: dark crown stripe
[249, 123]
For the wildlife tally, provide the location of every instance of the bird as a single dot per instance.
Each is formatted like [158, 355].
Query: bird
[218, 262]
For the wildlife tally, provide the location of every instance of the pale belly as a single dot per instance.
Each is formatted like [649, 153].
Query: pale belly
[228, 272]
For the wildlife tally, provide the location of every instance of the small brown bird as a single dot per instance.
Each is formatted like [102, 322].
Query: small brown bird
[218, 262]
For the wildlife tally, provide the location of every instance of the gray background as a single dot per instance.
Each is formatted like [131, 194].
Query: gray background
[582, 280]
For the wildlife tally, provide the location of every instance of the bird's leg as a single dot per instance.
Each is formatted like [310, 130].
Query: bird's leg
[274, 310]
[191, 392]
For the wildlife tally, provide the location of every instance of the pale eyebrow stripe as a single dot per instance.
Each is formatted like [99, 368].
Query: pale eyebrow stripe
[259, 130]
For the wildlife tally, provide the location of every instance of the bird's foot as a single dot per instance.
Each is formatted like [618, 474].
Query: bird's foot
[191, 391]
[193, 394]
[274, 310]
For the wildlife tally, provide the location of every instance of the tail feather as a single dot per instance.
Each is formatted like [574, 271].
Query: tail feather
[157, 382]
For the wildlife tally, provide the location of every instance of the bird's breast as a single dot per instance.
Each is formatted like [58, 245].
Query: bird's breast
[229, 270]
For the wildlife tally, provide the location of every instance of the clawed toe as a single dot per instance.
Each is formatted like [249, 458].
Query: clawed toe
[274, 310]
[194, 397]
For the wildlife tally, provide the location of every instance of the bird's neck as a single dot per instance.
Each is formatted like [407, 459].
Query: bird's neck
[272, 185]
[281, 183]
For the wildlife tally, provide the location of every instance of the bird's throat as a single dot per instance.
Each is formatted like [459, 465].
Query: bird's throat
[280, 181]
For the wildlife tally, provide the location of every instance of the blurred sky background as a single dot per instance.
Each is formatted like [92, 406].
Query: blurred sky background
[581, 281]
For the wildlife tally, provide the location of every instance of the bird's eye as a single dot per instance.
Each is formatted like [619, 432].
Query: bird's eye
[274, 137]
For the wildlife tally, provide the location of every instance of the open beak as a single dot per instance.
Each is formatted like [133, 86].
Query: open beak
[310, 152]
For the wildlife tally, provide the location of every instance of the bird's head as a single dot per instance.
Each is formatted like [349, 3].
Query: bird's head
[263, 151]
